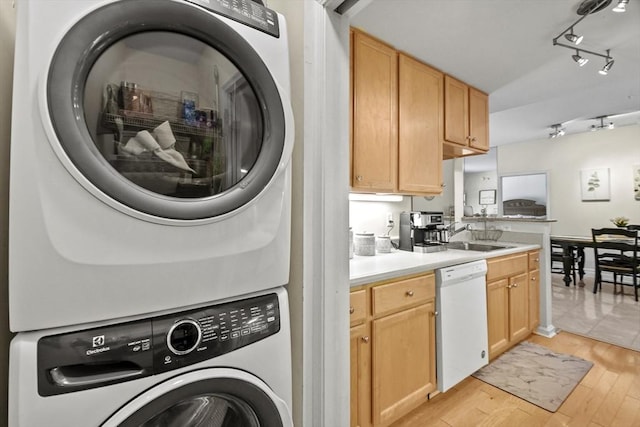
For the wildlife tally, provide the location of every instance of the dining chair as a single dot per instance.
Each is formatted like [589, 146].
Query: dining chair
[557, 255]
[616, 252]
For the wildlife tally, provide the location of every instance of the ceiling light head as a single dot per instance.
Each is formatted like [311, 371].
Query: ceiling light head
[605, 70]
[557, 131]
[579, 59]
[602, 124]
[573, 38]
[621, 7]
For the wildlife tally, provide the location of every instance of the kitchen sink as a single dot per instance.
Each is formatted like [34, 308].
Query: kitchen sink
[472, 246]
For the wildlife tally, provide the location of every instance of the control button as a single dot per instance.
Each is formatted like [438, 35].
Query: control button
[224, 337]
[271, 319]
[235, 334]
[184, 336]
[245, 332]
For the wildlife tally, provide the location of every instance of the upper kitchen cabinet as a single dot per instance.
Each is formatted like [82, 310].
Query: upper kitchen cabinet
[397, 120]
[374, 123]
[420, 126]
[466, 119]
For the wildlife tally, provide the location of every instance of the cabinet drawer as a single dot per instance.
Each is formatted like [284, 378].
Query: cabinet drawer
[401, 294]
[357, 306]
[506, 266]
[534, 260]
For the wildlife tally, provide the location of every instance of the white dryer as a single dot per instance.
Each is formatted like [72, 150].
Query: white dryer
[150, 157]
[223, 365]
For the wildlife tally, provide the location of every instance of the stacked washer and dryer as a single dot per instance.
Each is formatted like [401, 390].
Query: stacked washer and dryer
[150, 214]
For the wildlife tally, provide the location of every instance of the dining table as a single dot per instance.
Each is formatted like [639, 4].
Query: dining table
[570, 244]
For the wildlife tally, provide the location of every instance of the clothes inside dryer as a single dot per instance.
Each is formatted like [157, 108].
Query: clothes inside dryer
[173, 115]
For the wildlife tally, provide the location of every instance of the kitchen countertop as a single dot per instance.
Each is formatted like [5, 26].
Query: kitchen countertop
[369, 269]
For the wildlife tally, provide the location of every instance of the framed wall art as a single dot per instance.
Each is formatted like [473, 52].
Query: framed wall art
[594, 184]
[487, 197]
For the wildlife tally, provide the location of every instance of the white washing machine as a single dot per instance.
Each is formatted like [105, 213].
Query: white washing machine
[223, 365]
[150, 157]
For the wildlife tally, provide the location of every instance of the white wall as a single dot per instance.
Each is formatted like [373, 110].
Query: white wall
[476, 181]
[7, 39]
[563, 158]
[372, 216]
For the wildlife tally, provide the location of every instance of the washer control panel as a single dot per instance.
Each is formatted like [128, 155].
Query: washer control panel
[121, 352]
[209, 332]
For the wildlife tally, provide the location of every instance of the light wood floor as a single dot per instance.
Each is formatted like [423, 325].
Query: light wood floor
[609, 395]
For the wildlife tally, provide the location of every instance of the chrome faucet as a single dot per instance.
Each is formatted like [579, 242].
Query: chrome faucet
[453, 231]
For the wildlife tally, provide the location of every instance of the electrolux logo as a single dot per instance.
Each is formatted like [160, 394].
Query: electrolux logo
[97, 341]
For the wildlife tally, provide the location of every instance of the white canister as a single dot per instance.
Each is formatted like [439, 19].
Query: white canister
[383, 244]
[364, 244]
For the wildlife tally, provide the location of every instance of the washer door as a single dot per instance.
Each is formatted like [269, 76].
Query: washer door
[166, 109]
[211, 398]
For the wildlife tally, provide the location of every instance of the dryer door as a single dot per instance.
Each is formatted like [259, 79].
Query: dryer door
[166, 109]
[213, 397]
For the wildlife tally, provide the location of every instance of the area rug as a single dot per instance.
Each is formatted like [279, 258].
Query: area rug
[536, 374]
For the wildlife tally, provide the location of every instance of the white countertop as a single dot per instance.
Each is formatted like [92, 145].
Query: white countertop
[369, 269]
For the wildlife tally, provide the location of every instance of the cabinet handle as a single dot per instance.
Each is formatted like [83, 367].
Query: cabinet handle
[351, 310]
[359, 178]
[435, 313]
[409, 293]
[533, 278]
[473, 139]
[509, 286]
[515, 285]
[537, 259]
[365, 339]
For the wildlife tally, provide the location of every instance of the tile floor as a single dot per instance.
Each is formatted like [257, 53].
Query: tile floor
[614, 319]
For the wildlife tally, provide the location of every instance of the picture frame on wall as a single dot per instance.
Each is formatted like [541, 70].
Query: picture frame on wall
[594, 184]
[487, 197]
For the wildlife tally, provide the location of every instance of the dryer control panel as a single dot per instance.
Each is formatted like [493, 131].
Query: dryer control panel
[116, 353]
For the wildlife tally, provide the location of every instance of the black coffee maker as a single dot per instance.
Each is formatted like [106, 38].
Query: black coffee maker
[421, 231]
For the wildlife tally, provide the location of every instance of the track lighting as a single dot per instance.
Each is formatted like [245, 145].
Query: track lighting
[579, 59]
[588, 7]
[622, 6]
[602, 124]
[557, 131]
[573, 38]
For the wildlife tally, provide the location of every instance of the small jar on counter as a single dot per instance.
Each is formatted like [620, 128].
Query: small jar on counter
[383, 244]
[365, 244]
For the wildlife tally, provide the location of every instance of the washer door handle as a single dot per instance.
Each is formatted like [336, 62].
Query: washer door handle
[77, 375]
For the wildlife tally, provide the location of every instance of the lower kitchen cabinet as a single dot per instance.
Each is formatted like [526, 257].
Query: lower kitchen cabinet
[507, 302]
[360, 366]
[393, 365]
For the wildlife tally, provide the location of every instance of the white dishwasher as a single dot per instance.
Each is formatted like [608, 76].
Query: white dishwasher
[461, 324]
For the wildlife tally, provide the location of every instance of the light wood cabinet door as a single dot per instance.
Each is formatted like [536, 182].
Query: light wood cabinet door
[456, 111]
[420, 122]
[498, 316]
[478, 119]
[360, 376]
[403, 362]
[374, 124]
[519, 307]
[534, 300]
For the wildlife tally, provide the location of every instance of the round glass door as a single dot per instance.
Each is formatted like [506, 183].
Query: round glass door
[214, 402]
[166, 109]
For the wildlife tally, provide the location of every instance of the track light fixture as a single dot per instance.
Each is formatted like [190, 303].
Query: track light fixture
[557, 131]
[573, 38]
[602, 124]
[622, 6]
[586, 8]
